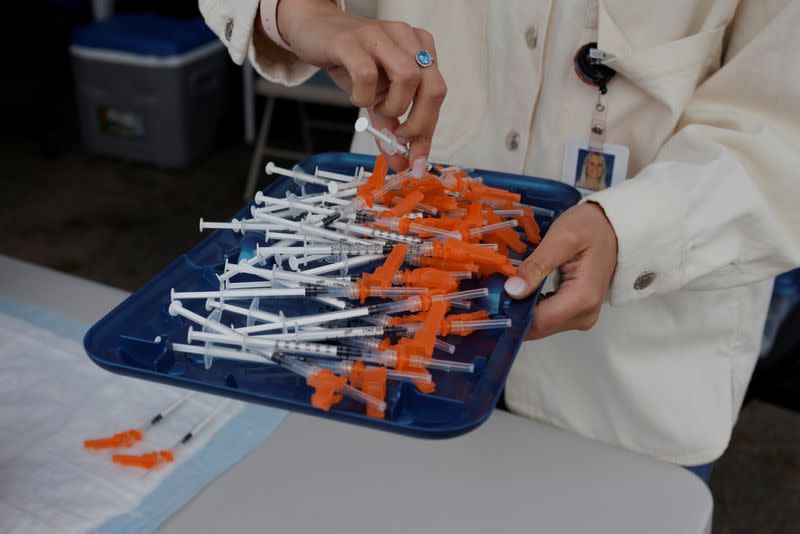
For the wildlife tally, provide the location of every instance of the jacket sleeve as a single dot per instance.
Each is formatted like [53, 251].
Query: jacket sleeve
[720, 205]
[235, 23]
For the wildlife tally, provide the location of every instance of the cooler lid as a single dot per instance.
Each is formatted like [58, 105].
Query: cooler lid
[145, 34]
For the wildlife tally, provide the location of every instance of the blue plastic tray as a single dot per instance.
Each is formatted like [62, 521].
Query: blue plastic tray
[133, 338]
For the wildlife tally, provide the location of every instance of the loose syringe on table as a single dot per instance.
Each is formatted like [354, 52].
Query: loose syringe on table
[426, 233]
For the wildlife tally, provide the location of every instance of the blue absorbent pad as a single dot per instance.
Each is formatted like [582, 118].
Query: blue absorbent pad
[144, 34]
[38, 503]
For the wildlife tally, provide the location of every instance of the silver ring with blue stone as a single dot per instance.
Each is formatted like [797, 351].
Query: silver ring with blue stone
[424, 58]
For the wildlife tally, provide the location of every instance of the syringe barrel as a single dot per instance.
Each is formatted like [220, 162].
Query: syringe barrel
[381, 320]
[324, 281]
[462, 295]
[391, 374]
[481, 324]
[354, 206]
[410, 304]
[512, 212]
[390, 185]
[350, 291]
[296, 366]
[395, 292]
[390, 223]
[434, 232]
[377, 233]
[306, 320]
[476, 232]
[353, 393]
[448, 181]
[427, 209]
[450, 366]
[425, 249]
[300, 175]
[316, 350]
[412, 259]
[369, 344]
[444, 346]
[238, 294]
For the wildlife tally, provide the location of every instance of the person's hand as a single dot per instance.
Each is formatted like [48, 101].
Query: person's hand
[374, 62]
[582, 245]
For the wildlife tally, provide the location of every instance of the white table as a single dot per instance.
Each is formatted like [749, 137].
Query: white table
[510, 475]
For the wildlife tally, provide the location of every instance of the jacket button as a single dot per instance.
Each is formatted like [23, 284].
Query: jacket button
[531, 37]
[228, 29]
[512, 140]
[644, 280]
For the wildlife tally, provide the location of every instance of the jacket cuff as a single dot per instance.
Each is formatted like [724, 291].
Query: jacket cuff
[651, 237]
[271, 56]
[268, 12]
[276, 64]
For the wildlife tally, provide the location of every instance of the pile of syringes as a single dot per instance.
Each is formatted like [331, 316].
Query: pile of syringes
[413, 240]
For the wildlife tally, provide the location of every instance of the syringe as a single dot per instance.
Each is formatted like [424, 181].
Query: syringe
[305, 228]
[388, 141]
[424, 301]
[343, 266]
[357, 175]
[277, 273]
[345, 368]
[256, 292]
[395, 356]
[221, 353]
[365, 199]
[355, 250]
[293, 204]
[330, 334]
[477, 233]
[152, 460]
[301, 177]
[376, 233]
[316, 350]
[463, 328]
[413, 304]
[375, 345]
[439, 263]
[128, 438]
[404, 225]
[326, 384]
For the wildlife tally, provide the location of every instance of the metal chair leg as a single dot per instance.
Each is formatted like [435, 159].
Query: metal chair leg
[258, 150]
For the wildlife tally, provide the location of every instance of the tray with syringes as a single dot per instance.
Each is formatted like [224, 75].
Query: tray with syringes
[347, 295]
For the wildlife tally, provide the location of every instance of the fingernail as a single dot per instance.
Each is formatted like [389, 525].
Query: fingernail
[516, 286]
[418, 169]
[402, 140]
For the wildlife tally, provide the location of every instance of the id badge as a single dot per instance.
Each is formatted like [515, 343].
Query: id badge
[592, 168]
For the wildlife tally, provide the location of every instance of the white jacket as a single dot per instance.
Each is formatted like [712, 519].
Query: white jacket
[707, 98]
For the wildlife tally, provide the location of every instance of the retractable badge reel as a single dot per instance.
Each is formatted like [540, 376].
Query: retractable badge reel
[591, 164]
[590, 70]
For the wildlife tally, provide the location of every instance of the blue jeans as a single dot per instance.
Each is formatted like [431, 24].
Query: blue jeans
[703, 472]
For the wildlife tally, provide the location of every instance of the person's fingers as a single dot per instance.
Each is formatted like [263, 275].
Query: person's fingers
[573, 307]
[418, 151]
[379, 122]
[362, 71]
[556, 248]
[424, 114]
[401, 69]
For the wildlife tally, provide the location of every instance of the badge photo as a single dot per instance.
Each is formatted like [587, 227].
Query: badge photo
[592, 169]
